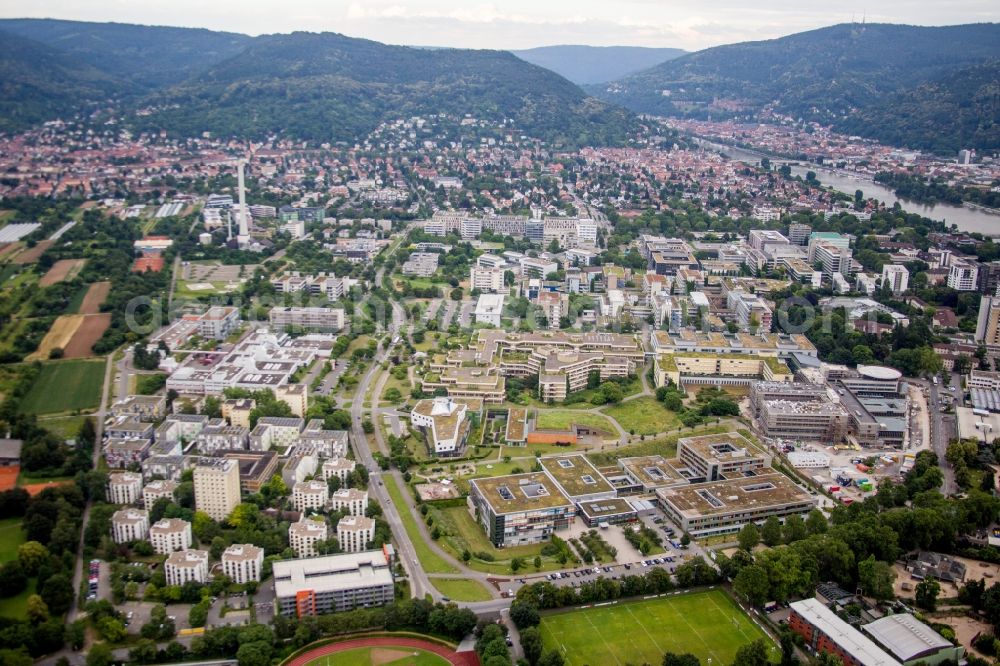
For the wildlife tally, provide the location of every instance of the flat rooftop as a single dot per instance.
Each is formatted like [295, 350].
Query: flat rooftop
[331, 573]
[722, 447]
[605, 508]
[576, 475]
[521, 492]
[758, 491]
[653, 471]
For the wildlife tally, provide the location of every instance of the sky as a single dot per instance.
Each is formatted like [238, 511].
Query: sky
[515, 24]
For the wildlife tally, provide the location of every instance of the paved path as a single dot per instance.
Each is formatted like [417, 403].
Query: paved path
[454, 658]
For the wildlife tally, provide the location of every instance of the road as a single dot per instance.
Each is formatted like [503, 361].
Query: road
[941, 432]
[420, 584]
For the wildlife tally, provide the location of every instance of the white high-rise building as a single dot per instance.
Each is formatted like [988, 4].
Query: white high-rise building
[216, 486]
[309, 495]
[354, 533]
[895, 277]
[487, 280]
[303, 535]
[169, 535]
[242, 563]
[186, 565]
[353, 500]
[154, 490]
[129, 525]
[124, 487]
[338, 467]
[963, 275]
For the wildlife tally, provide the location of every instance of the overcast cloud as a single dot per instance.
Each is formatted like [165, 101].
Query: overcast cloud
[688, 24]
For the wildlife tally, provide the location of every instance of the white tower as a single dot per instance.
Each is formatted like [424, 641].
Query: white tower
[244, 235]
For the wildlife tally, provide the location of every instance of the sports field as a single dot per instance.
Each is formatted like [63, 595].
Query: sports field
[381, 656]
[63, 386]
[706, 624]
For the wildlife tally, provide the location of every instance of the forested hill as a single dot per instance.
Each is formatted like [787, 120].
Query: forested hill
[146, 56]
[596, 64]
[840, 74]
[330, 87]
[38, 83]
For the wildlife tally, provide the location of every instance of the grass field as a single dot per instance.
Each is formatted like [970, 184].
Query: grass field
[63, 386]
[11, 536]
[709, 625]
[562, 419]
[65, 427]
[381, 656]
[431, 561]
[17, 607]
[461, 589]
[645, 415]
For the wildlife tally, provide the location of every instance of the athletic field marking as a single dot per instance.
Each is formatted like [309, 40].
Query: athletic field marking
[639, 622]
[597, 631]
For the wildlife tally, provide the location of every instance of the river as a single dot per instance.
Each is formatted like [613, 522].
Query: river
[967, 219]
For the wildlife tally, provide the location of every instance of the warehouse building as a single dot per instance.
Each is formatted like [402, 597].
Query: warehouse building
[911, 641]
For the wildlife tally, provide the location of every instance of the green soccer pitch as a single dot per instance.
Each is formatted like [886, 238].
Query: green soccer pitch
[708, 624]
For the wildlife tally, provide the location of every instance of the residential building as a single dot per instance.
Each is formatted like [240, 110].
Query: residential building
[354, 501]
[554, 306]
[154, 490]
[147, 408]
[309, 495]
[338, 467]
[275, 432]
[122, 452]
[124, 487]
[243, 562]
[354, 533]
[186, 565]
[255, 468]
[988, 325]
[896, 278]
[521, 508]
[421, 264]
[488, 280]
[321, 585]
[128, 525]
[216, 486]
[963, 275]
[170, 534]
[303, 536]
[219, 436]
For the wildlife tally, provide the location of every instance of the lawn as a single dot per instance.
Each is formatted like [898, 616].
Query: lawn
[381, 656]
[708, 625]
[664, 446]
[563, 419]
[63, 386]
[462, 589]
[16, 607]
[11, 536]
[644, 416]
[431, 561]
[64, 427]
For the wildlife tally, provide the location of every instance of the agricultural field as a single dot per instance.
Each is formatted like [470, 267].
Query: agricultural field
[74, 334]
[643, 416]
[96, 295]
[64, 386]
[564, 419]
[708, 625]
[64, 269]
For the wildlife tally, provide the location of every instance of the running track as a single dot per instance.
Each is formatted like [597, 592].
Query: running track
[454, 658]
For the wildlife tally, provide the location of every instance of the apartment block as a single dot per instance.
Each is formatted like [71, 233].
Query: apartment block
[303, 536]
[170, 534]
[128, 525]
[154, 490]
[216, 486]
[243, 562]
[308, 495]
[186, 565]
[354, 533]
[352, 500]
[124, 487]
